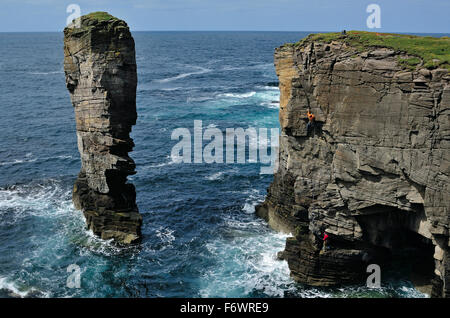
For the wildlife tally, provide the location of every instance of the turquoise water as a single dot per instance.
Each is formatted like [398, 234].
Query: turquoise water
[200, 235]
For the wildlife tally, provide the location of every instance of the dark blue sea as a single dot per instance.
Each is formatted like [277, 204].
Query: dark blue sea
[200, 235]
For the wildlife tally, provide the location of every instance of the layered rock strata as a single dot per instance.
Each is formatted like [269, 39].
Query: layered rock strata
[100, 69]
[375, 172]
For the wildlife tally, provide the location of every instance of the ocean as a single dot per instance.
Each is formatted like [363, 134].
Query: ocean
[200, 235]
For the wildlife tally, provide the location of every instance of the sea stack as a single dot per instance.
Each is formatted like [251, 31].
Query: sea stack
[375, 173]
[100, 69]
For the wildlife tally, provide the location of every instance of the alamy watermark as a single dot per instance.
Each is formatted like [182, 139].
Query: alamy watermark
[74, 17]
[74, 279]
[374, 279]
[237, 145]
[374, 19]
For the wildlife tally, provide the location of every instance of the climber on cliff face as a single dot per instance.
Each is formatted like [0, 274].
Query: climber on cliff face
[326, 239]
[311, 122]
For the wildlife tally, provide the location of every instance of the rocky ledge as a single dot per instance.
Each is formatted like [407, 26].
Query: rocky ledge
[374, 174]
[100, 68]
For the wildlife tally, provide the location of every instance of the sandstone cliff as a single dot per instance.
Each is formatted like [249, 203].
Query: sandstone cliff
[375, 172]
[100, 68]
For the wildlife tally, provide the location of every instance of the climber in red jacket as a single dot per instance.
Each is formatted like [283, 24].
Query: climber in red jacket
[311, 122]
[325, 240]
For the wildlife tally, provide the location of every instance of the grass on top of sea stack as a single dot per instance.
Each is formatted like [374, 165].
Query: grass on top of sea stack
[433, 51]
[93, 20]
[100, 16]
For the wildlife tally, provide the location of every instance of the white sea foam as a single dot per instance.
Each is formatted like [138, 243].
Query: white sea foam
[191, 99]
[170, 89]
[52, 201]
[249, 207]
[46, 199]
[248, 67]
[58, 233]
[269, 98]
[91, 243]
[215, 176]
[272, 104]
[9, 286]
[150, 87]
[29, 159]
[221, 96]
[158, 165]
[246, 264]
[162, 164]
[14, 291]
[200, 70]
[236, 95]
[17, 161]
[46, 73]
[247, 257]
[268, 88]
[253, 198]
[165, 235]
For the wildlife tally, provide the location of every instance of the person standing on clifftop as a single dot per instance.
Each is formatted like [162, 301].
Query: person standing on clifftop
[311, 122]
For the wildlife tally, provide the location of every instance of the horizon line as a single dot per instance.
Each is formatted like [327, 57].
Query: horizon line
[312, 31]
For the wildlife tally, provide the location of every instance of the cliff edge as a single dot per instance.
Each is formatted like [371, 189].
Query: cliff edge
[100, 69]
[374, 173]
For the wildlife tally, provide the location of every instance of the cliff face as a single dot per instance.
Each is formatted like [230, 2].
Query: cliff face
[375, 172]
[100, 68]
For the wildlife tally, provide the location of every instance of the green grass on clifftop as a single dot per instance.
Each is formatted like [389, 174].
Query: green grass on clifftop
[100, 16]
[91, 20]
[434, 52]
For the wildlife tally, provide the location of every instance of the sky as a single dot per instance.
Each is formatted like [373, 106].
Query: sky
[415, 16]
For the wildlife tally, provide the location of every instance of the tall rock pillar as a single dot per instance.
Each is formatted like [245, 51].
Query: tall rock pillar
[100, 69]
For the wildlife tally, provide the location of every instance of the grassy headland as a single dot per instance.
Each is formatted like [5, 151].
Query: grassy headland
[434, 52]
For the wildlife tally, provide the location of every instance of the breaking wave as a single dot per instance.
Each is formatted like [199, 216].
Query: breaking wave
[47, 73]
[29, 159]
[243, 95]
[246, 258]
[200, 70]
